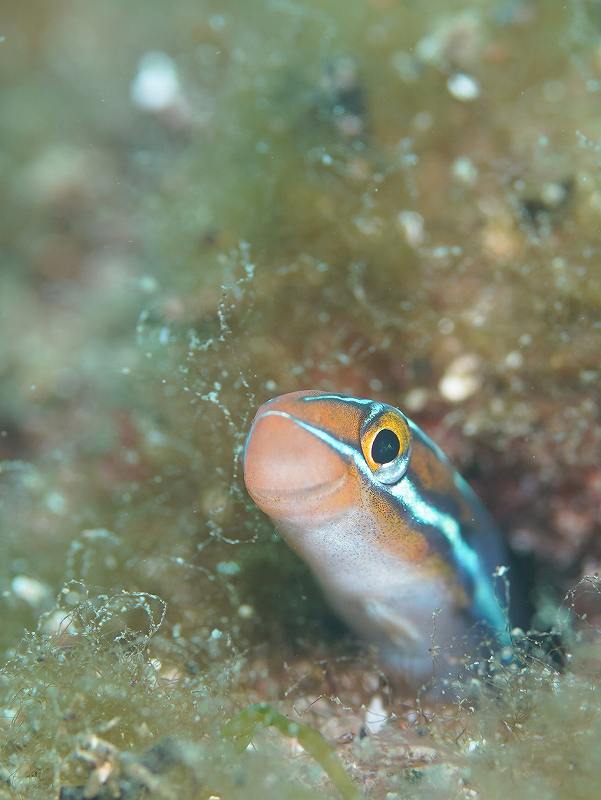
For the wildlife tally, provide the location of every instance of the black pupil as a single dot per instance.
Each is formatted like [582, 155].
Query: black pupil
[385, 447]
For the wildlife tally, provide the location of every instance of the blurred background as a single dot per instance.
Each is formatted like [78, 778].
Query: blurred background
[209, 203]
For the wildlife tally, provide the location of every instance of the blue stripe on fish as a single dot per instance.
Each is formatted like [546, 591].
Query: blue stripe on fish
[423, 510]
[426, 513]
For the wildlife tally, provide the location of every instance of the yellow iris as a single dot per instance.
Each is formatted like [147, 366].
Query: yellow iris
[385, 428]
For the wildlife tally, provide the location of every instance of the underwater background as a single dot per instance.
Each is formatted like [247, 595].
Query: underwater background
[206, 204]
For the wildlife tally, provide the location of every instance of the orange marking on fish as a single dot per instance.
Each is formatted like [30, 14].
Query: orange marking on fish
[393, 534]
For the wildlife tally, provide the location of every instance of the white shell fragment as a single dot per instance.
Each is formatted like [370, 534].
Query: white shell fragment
[463, 87]
[156, 84]
[375, 715]
[462, 378]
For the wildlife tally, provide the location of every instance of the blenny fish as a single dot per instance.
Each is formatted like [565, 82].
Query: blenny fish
[402, 547]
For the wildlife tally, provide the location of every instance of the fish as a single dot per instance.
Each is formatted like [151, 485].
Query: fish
[404, 550]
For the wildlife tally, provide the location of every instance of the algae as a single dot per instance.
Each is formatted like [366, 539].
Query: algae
[206, 207]
[246, 723]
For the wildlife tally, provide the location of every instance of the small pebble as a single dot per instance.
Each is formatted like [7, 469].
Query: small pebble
[462, 378]
[464, 171]
[156, 84]
[463, 87]
[29, 589]
[416, 399]
[412, 225]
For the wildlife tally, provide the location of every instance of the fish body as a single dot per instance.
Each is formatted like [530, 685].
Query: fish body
[402, 547]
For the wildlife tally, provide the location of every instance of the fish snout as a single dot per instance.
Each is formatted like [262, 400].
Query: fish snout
[288, 470]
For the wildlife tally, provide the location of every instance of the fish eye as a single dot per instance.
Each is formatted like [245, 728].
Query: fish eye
[386, 444]
[385, 447]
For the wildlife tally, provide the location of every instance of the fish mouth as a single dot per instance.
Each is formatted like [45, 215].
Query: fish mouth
[290, 470]
[315, 493]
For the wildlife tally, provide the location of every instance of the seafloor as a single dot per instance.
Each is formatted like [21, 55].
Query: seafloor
[206, 204]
